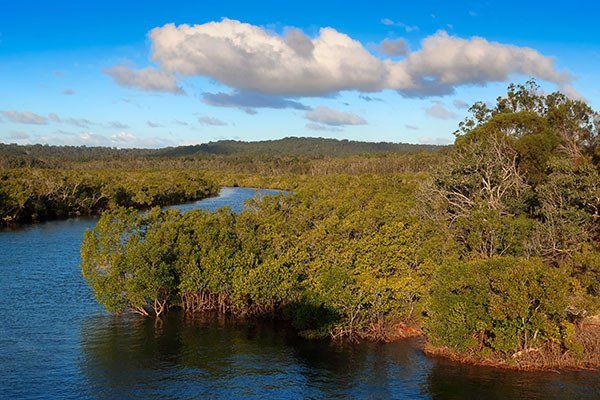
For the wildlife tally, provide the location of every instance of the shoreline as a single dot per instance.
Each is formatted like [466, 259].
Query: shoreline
[405, 332]
[95, 213]
[481, 361]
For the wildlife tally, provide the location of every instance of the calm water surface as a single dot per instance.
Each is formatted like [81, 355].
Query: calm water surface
[56, 342]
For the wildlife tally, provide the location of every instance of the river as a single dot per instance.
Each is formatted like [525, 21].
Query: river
[57, 342]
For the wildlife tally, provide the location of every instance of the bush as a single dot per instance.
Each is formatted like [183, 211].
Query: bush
[504, 304]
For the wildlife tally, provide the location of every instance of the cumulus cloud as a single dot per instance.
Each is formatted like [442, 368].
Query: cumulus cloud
[329, 116]
[393, 47]
[313, 126]
[299, 42]
[250, 58]
[249, 101]
[445, 61]
[211, 121]
[149, 79]
[439, 111]
[24, 117]
[123, 137]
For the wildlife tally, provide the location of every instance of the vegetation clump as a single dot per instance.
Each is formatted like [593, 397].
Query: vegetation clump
[36, 194]
[491, 249]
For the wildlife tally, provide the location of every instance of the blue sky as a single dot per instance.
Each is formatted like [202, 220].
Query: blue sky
[82, 73]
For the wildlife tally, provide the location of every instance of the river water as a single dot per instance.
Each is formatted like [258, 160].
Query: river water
[57, 342]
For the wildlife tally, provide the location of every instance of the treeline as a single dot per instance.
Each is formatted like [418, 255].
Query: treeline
[65, 187]
[276, 167]
[294, 146]
[31, 195]
[13, 155]
[494, 255]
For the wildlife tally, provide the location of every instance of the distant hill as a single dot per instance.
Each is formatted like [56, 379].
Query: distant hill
[293, 146]
[290, 146]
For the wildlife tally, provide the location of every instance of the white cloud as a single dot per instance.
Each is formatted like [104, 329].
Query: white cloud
[411, 127]
[211, 121]
[245, 56]
[440, 141]
[24, 117]
[69, 91]
[250, 58]
[328, 116]
[439, 111]
[313, 126]
[393, 47]
[120, 139]
[299, 42]
[123, 137]
[148, 79]
[445, 61]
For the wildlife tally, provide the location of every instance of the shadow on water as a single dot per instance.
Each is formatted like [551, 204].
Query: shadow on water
[207, 356]
[448, 380]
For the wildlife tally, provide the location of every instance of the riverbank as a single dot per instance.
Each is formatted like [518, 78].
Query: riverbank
[585, 355]
[31, 195]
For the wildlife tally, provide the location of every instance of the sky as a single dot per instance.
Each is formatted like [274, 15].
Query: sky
[155, 73]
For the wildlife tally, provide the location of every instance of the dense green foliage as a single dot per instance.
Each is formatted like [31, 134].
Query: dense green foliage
[29, 195]
[348, 261]
[520, 196]
[295, 146]
[13, 155]
[492, 247]
[502, 303]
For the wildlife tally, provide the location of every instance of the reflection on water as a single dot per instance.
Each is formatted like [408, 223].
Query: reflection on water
[56, 342]
[198, 357]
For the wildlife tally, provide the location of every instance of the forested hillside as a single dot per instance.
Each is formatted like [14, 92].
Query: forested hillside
[12, 155]
[294, 146]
